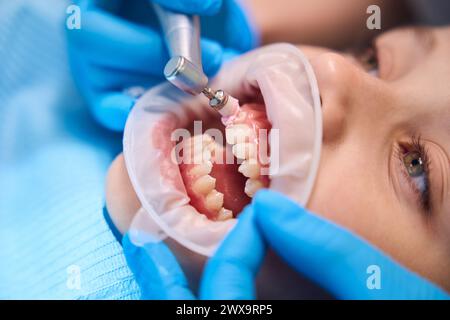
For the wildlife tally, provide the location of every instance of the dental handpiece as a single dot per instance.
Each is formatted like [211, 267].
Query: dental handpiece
[184, 68]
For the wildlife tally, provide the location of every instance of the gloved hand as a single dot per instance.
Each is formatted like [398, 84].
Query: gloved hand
[160, 277]
[326, 253]
[119, 50]
[156, 271]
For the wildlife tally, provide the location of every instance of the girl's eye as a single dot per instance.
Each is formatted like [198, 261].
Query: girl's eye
[414, 158]
[368, 59]
[414, 164]
[372, 58]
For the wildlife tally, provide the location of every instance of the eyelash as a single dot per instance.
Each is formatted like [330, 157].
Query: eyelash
[416, 145]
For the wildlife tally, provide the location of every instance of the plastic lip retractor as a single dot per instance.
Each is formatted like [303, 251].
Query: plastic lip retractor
[286, 81]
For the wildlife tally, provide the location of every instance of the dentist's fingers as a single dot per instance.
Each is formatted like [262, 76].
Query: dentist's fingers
[106, 78]
[158, 273]
[111, 108]
[230, 54]
[108, 106]
[200, 7]
[233, 26]
[109, 5]
[231, 272]
[332, 256]
[110, 41]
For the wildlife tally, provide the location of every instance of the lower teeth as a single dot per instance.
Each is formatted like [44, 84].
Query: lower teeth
[249, 169]
[252, 186]
[214, 200]
[204, 184]
[224, 214]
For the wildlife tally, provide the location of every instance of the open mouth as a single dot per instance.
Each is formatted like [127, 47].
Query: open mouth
[222, 175]
[274, 141]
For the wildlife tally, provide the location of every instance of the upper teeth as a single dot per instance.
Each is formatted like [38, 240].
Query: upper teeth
[240, 137]
[238, 133]
[251, 186]
[198, 142]
[198, 149]
[250, 169]
[244, 150]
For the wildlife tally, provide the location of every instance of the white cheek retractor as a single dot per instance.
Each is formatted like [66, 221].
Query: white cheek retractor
[282, 75]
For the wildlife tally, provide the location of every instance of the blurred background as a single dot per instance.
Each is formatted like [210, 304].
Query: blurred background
[54, 155]
[53, 160]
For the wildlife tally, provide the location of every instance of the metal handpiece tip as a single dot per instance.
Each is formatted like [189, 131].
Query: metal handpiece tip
[208, 92]
[217, 99]
[185, 75]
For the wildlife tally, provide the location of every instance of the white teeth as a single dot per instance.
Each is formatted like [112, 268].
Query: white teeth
[201, 169]
[195, 152]
[244, 150]
[198, 144]
[224, 214]
[214, 200]
[250, 168]
[206, 155]
[207, 139]
[201, 140]
[251, 186]
[238, 133]
[200, 157]
[204, 185]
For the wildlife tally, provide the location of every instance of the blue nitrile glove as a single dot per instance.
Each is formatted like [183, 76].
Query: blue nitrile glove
[156, 270]
[324, 252]
[119, 51]
[160, 277]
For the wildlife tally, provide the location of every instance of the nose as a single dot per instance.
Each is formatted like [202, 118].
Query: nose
[338, 79]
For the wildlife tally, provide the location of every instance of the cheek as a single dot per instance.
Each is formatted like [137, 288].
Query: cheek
[337, 191]
[349, 188]
[351, 192]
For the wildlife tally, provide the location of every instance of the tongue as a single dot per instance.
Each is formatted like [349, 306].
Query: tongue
[231, 183]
